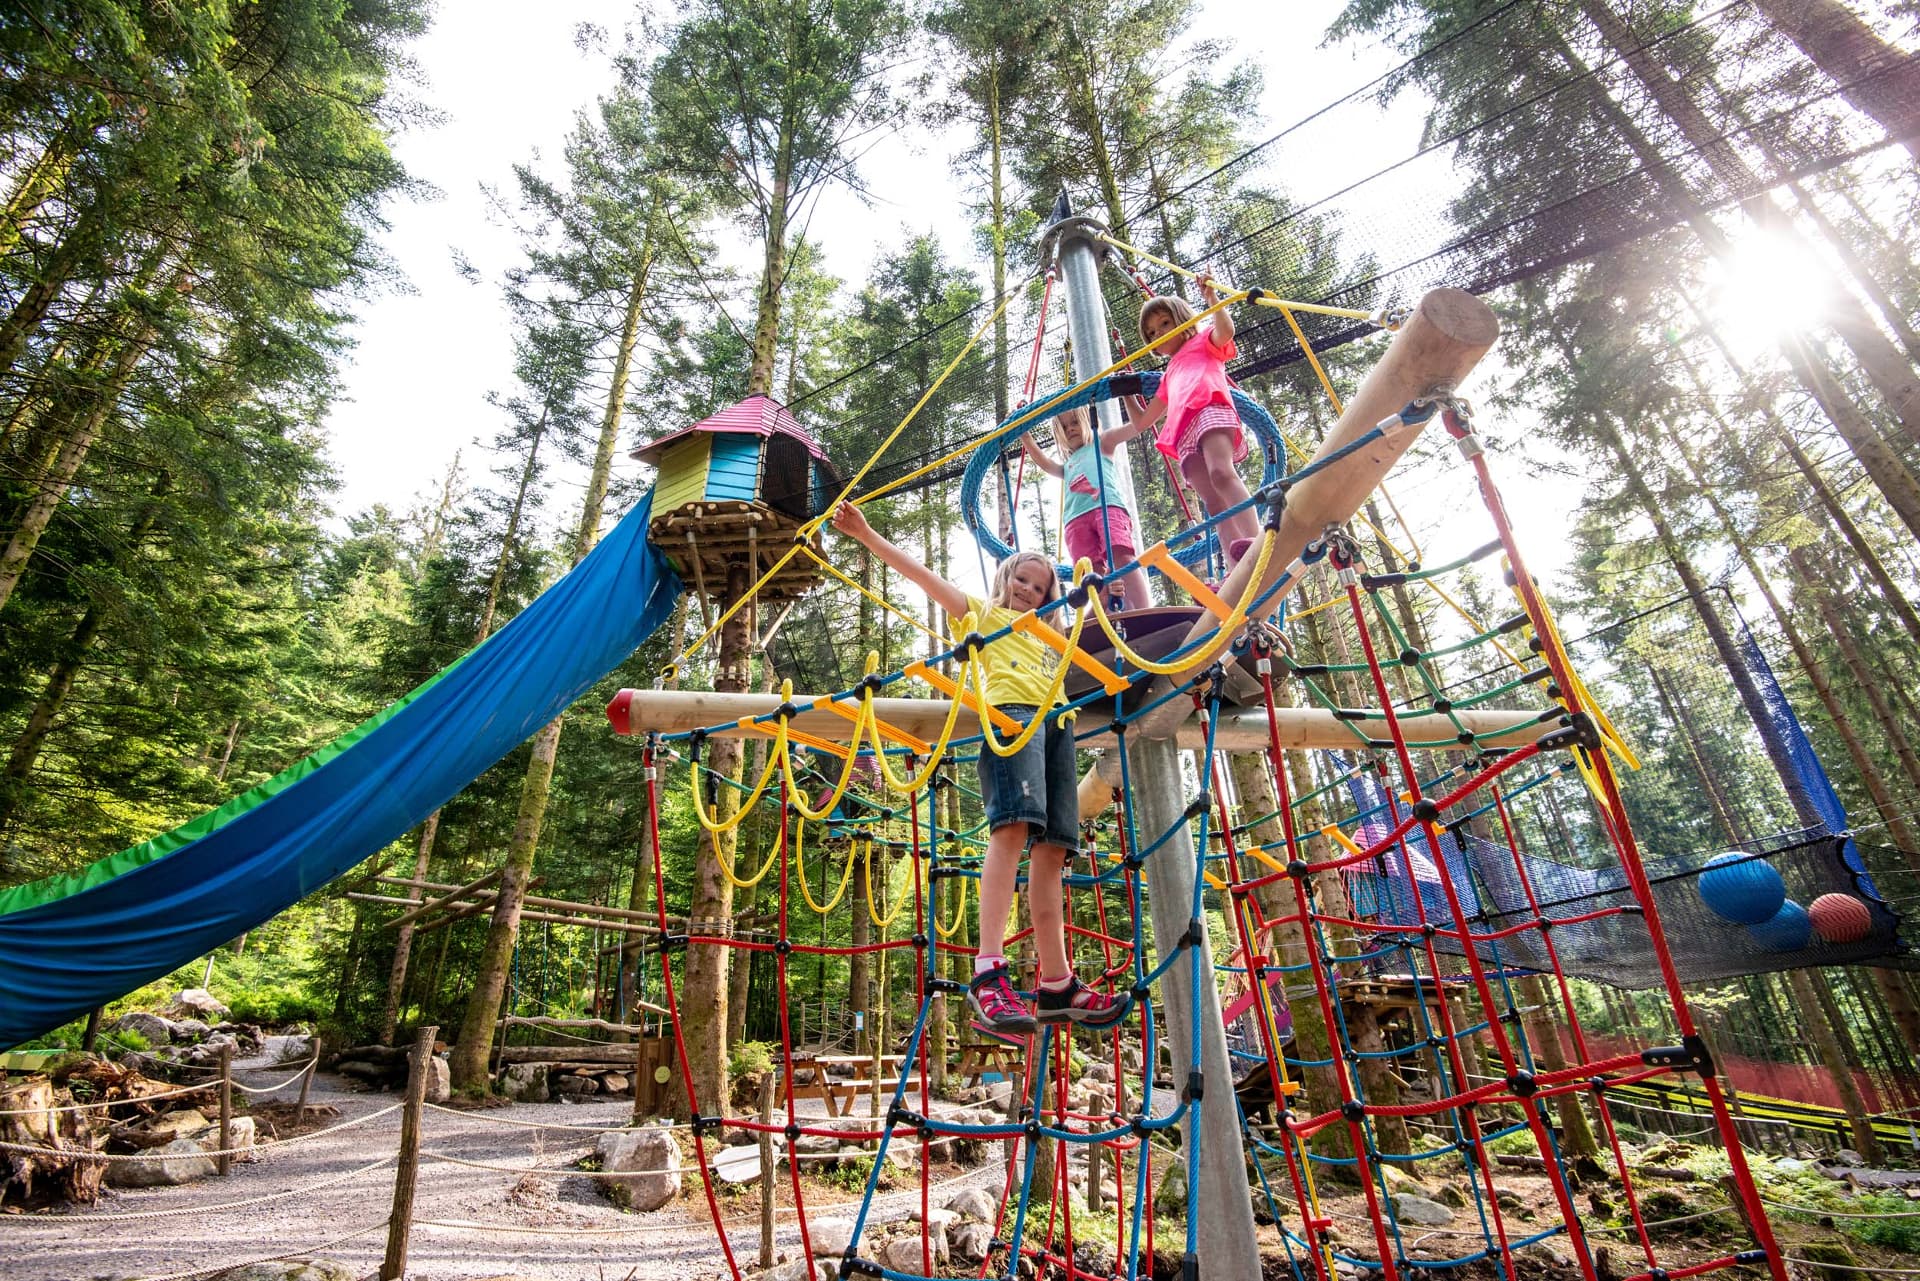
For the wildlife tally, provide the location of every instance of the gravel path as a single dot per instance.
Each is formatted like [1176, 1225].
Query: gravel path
[677, 1242]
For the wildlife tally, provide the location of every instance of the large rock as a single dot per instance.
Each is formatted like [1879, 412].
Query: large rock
[188, 1030]
[830, 1236]
[240, 1134]
[975, 1203]
[150, 1171]
[971, 1241]
[577, 1086]
[439, 1080]
[615, 1083]
[524, 1082]
[161, 1130]
[1420, 1211]
[800, 1270]
[291, 1270]
[150, 1028]
[650, 1161]
[196, 1003]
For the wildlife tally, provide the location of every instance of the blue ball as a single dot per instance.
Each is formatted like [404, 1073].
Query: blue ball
[1788, 930]
[1741, 888]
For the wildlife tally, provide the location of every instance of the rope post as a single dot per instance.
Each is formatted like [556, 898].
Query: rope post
[223, 1164]
[407, 1170]
[306, 1078]
[766, 1168]
[1228, 1245]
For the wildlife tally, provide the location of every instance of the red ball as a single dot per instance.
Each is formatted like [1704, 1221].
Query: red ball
[1840, 918]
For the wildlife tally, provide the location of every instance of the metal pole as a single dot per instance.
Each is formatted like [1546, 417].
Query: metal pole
[1227, 1244]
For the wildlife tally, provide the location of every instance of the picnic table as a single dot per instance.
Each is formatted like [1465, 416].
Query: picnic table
[839, 1079]
[977, 1058]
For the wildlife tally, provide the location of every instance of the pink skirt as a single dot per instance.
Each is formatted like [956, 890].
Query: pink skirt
[1209, 419]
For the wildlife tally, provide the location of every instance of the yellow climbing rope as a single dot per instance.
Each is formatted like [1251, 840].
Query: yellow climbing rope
[846, 876]
[1228, 625]
[884, 923]
[912, 783]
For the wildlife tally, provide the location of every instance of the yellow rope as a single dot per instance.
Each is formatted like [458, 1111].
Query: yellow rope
[739, 816]
[1054, 691]
[846, 877]
[807, 530]
[727, 865]
[959, 910]
[1044, 408]
[1318, 309]
[885, 923]
[912, 783]
[1228, 625]
[796, 795]
[870, 594]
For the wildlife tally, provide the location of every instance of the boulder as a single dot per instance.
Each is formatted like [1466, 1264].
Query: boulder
[150, 1028]
[439, 1080]
[799, 1270]
[291, 1270]
[577, 1086]
[524, 1082]
[1170, 1198]
[903, 1254]
[240, 1134]
[196, 1003]
[1398, 1180]
[971, 1241]
[368, 1073]
[615, 1083]
[1451, 1196]
[1421, 1211]
[940, 1222]
[158, 1131]
[851, 1152]
[830, 1236]
[815, 1145]
[974, 1203]
[652, 1155]
[1099, 1072]
[150, 1171]
[188, 1030]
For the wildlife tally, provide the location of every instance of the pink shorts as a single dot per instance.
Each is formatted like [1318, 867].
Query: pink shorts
[1086, 537]
[1210, 418]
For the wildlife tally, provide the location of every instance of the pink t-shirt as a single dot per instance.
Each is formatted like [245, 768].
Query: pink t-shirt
[1196, 377]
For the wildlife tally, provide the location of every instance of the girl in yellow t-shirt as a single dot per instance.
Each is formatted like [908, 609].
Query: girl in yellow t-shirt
[1030, 796]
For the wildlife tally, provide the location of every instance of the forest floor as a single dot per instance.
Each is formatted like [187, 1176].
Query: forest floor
[203, 1228]
[304, 1196]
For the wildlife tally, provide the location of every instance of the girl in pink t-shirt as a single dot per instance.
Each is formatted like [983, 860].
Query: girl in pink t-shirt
[1202, 431]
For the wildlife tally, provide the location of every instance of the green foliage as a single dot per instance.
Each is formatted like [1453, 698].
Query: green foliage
[748, 1058]
[850, 1174]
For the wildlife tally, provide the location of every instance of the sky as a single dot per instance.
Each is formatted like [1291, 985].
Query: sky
[507, 81]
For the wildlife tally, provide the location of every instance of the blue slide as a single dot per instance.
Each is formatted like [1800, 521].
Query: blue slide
[71, 943]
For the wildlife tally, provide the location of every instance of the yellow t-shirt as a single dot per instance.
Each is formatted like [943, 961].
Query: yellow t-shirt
[1020, 669]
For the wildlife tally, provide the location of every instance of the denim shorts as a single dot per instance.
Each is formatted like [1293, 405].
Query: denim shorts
[1038, 786]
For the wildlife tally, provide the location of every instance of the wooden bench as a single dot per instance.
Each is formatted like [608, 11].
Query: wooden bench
[838, 1092]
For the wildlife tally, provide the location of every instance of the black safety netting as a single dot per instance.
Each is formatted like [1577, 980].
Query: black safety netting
[1725, 766]
[1515, 139]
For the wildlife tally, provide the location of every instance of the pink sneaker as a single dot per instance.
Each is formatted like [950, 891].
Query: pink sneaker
[997, 1008]
[1078, 1003]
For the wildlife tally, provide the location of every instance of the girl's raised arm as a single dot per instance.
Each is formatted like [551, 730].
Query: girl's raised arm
[849, 520]
[1222, 319]
[1041, 459]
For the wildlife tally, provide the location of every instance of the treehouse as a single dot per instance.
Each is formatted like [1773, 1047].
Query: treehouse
[732, 493]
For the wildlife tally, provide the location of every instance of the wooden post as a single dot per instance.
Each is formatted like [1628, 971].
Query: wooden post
[766, 1168]
[1095, 1151]
[407, 1173]
[223, 1164]
[306, 1078]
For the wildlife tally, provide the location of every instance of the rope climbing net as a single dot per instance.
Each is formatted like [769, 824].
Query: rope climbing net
[1320, 916]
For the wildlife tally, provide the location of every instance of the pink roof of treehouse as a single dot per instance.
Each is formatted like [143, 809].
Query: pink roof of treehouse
[759, 415]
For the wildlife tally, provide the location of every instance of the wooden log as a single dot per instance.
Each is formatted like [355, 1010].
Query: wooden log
[59, 1171]
[450, 897]
[766, 1169]
[306, 1077]
[407, 1173]
[1445, 337]
[638, 711]
[611, 1055]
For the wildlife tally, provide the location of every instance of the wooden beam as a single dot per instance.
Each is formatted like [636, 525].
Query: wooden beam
[1244, 729]
[460, 893]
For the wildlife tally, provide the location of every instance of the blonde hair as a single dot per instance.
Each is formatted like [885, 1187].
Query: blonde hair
[1003, 580]
[1176, 307]
[1078, 414]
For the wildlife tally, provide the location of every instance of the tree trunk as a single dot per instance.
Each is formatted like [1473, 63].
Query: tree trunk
[703, 1005]
[37, 184]
[1810, 664]
[997, 235]
[1819, 1019]
[1878, 79]
[469, 1059]
[75, 439]
[859, 965]
[773, 275]
[1889, 474]
[1891, 376]
[403, 941]
[1864, 678]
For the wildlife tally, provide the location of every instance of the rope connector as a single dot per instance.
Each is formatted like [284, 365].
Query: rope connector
[970, 645]
[1426, 810]
[1196, 1086]
[792, 1131]
[1199, 805]
[783, 947]
[670, 943]
[1353, 1110]
[707, 1124]
[1195, 933]
[1523, 1085]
